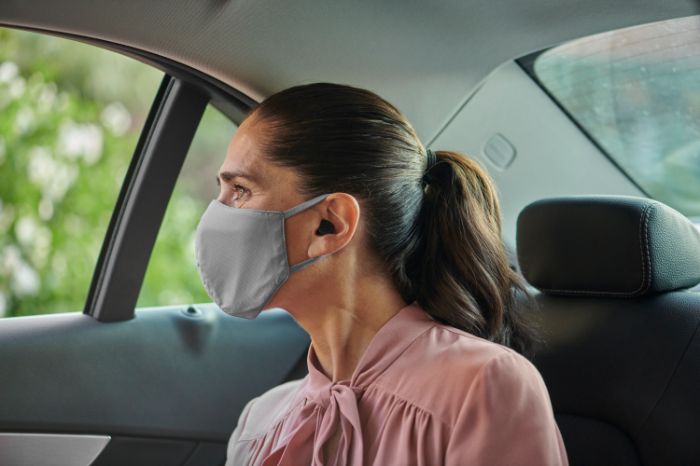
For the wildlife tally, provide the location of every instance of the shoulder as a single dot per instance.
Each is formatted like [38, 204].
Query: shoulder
[477, 357]
[445, 368]
[261, 413]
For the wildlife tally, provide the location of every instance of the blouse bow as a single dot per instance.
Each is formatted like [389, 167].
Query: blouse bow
[323, 415]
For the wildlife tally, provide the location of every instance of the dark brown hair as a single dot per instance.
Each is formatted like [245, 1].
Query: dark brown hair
[440, 243]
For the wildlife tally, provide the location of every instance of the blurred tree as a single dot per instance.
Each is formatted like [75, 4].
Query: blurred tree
[70, 118]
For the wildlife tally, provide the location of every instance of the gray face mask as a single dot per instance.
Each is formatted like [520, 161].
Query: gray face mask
[242, 255]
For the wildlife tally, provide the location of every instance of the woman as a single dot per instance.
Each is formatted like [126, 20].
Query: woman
[390, 257]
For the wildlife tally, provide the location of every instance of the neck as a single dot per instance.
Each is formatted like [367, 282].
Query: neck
[342, 321]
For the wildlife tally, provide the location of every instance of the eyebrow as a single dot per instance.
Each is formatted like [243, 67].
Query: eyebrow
[227, 176]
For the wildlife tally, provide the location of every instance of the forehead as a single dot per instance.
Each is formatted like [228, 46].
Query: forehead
[245, 155]
[242, 152]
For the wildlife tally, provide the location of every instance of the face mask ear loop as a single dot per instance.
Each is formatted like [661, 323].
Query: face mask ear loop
[304, 264]
[304, 205]
[295, 210]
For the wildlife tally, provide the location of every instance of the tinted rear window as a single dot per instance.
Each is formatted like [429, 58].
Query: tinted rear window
[636, 93]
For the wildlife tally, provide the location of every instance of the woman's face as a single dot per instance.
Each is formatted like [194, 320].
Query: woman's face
[247, 181]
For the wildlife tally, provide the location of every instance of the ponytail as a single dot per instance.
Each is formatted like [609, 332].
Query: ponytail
[460, 271]
[440, 244]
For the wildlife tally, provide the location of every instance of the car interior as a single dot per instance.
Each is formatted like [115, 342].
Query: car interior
[611, 256]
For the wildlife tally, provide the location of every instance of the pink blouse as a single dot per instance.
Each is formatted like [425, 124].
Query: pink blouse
[423, 393]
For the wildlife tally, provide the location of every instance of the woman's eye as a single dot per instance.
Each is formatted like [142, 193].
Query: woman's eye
[239, 191]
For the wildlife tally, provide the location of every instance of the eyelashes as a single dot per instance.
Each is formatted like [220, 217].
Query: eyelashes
[240, 190]
[232, 192]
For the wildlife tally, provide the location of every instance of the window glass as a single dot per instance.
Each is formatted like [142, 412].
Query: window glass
[171, 276]
[70, 117]
[635, 91]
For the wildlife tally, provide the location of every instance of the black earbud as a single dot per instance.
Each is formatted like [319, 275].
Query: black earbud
[324, 228]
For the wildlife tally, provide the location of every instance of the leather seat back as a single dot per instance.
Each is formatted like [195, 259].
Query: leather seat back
[622, 359]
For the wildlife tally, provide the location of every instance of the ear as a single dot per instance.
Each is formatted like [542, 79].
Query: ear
[337, 223]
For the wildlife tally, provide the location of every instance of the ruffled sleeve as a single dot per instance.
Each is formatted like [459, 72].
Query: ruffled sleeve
[260, 426]
[506, 419]
[233, 450]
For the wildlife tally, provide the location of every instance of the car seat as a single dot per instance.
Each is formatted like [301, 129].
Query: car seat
[622, 330]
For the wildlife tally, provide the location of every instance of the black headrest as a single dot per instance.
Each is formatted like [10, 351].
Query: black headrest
[615, 246]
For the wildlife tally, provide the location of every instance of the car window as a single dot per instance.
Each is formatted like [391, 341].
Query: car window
[70, 117]
[172, 277]
[635, 92]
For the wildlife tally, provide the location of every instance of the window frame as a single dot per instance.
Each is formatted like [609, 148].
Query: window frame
[139, 211]
[154, 168]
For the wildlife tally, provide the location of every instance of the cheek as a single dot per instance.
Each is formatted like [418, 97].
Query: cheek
[295, 237]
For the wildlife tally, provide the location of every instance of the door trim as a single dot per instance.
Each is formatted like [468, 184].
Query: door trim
[34, 449]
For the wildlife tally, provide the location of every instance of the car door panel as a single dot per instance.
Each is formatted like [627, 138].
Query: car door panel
[163, 384]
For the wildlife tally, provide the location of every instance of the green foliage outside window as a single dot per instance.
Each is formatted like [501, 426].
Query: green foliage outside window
[70, 117]
[67, 132]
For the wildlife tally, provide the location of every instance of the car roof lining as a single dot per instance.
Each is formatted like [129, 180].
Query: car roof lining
[425, 60]
[229, 101]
